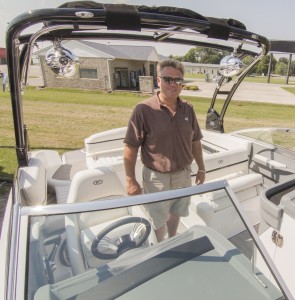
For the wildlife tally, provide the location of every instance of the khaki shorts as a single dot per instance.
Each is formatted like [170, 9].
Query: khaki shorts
[154, 181]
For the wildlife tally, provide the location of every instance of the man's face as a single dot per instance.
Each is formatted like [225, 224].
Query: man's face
[170, 82]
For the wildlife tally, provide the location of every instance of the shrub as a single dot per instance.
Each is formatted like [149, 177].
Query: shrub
[194, 88]
[190, 87]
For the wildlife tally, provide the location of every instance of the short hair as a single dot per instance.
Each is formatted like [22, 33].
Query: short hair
[170, 63]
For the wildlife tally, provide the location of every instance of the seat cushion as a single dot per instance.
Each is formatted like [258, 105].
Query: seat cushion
[245, 187]
[33, 182]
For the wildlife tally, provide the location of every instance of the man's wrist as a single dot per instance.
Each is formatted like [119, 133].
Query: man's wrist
[202, 170]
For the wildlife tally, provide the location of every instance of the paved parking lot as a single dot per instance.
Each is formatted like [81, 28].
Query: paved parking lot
[257, 92]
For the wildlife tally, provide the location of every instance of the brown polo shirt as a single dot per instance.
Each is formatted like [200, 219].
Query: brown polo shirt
[165, 140]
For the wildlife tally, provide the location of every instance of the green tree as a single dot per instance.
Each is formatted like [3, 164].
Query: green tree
[247, 60]
[262, 66]
[209, 56]
[281, 68]
[180, 58]
[190, 56]
[202, 55]
[283, 60]
[211, 59]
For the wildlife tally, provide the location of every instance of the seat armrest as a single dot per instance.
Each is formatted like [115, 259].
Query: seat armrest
[270, 213]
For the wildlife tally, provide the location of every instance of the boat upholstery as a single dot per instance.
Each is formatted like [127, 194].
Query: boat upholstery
[267, 162]
[226, 162]
[52, 162]
[226, 142]
[272, 211]
[104, 145]
[32, 182]
[81, 229]
[93, 184]
[224, 155]
[107, 149]
[215, 207]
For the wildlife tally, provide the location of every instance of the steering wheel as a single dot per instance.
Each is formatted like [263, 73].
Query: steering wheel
[104, 247]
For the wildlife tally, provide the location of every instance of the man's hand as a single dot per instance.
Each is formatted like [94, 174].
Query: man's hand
[133, 187]
[200, 177]
[130, 157]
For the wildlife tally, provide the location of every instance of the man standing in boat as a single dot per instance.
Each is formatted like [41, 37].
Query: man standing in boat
[166, 129]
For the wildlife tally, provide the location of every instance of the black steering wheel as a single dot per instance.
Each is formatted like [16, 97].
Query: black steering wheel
[104, 247]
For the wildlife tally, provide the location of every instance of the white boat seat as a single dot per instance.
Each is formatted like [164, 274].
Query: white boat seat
[215, 206]
[90, 185]
[104, 148]
[105, 141]
[32, 182]
[272, 213]
[225, 162]
[94, 161]
[245, 187]
[224, 155]
[52, 162]
[93, 184]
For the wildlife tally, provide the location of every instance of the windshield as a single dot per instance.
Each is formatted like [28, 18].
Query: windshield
[280, 137]
[114, 253]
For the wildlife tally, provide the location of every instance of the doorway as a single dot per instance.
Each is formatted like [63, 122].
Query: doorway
[121, 78]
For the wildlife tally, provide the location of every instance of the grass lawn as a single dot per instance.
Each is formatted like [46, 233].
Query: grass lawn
[62, 118]
[289, 89]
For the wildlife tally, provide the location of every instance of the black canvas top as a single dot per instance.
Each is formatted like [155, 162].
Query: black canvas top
[219, 28]
[282, 46]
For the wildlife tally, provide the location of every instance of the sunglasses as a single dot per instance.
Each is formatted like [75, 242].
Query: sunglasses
[170, 80]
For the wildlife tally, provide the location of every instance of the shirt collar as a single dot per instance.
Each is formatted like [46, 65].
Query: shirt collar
[179, 102]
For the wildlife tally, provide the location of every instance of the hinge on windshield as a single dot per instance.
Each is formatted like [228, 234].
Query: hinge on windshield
[277, 239]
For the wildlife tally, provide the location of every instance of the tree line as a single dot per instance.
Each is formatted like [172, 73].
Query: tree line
[212, 56]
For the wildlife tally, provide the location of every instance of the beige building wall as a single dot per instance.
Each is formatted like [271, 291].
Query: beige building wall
[102, 82]
[106, 69]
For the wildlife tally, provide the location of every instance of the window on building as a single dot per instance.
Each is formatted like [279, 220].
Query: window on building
[88, 73]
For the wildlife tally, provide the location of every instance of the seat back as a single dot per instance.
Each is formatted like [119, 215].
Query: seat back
[32, 182]
[245, 187]
[215, 207]
[50, 159]
[105, 141]
[96, 184]
[52, 162]
[90, 185]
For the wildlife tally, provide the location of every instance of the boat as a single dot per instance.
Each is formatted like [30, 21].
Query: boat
[70, 231]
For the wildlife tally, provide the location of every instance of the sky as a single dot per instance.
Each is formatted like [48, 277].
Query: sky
[271, 18]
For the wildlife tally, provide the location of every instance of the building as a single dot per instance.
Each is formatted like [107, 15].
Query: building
[113, 67]
[104, 67]
[198, 68]
[3, 57]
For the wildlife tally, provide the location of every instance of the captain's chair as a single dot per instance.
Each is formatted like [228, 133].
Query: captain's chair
[83, 228]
